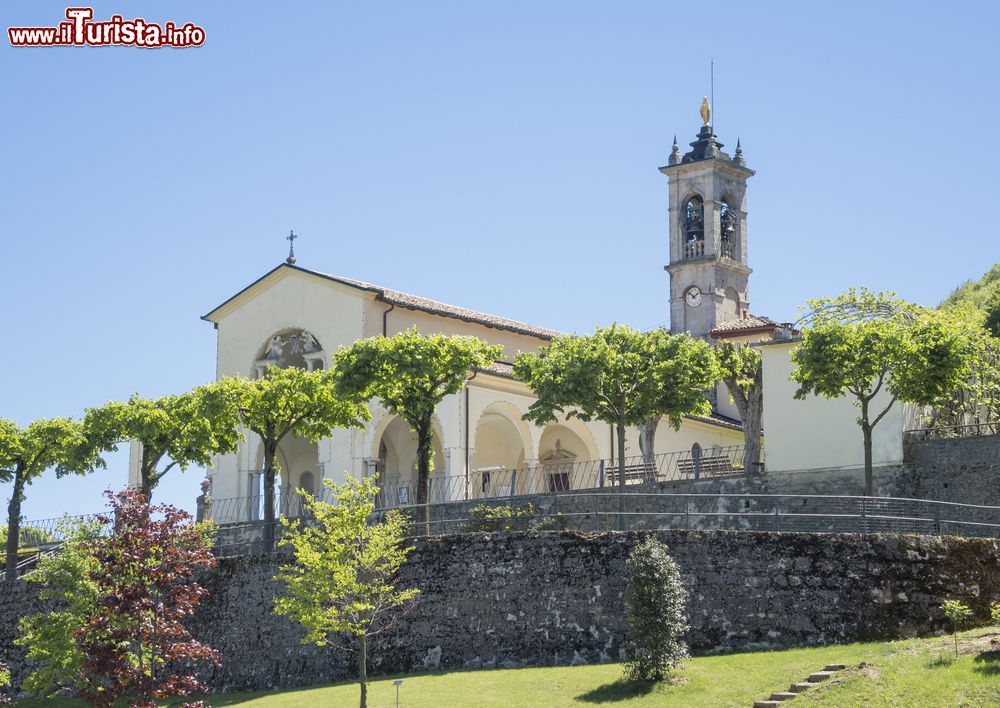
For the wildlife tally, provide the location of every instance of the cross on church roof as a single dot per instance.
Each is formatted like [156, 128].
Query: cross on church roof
[291, 247]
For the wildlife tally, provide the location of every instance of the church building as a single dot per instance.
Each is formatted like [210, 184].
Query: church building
[296, 316]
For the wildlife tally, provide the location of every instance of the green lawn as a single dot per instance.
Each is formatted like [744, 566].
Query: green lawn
[920, 672]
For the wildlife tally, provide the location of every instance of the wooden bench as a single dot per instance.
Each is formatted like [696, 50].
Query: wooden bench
[634, 474]
[710, 464]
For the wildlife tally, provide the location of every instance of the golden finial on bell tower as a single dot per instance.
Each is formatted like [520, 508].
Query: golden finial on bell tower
[705, 110]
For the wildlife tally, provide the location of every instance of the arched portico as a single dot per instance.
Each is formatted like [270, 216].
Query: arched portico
[502, 448]
[394, 447]
[298, 468]
[567, 457]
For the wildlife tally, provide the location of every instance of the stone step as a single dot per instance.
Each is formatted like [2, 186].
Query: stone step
[766, 704]
[800, 687]
[783, 696]
[819, 676]
[834, 667]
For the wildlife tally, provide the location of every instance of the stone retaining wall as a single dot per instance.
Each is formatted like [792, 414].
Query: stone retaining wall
[515, 599]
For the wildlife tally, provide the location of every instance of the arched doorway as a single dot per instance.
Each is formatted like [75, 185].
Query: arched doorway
[298, 468]
[565, 460]
[500, 444]
[397, 465]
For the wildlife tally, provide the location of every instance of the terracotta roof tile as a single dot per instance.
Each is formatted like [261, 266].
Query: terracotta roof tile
[500, 368]
[415, 302]
[743, 324]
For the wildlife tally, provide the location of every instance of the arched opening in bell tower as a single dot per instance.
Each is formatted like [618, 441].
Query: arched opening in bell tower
[694, 227]
[727, 226]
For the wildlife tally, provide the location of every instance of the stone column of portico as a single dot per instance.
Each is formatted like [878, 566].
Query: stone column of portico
[454, 474]
[532, 481]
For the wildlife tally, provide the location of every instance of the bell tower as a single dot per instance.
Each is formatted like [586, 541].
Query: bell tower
[708, 235]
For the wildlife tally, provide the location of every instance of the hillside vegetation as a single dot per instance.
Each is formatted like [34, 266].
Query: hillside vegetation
[983, 294]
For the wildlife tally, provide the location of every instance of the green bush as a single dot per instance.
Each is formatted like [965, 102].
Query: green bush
[486, 517]
[655, 612]
[29, 537]
[995, 612]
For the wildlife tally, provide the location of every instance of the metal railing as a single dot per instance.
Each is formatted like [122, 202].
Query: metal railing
[43, 532]
[641, 509]
[645, 511]
[952, 431]
[738, 512]
[502, 482]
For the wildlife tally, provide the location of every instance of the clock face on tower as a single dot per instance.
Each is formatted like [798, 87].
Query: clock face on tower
[693, 296]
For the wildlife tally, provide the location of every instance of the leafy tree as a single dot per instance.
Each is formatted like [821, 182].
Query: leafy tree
[5, 700]
[410, 374]
[51, 637]
[344, 576]
[178, 430]
[958, 613]
[993, 314]
[913, 354]
[287, 402]
[976, 399]
[25, 453]
[135, 646]
[620, 376]
[654, 610]
[742, 374]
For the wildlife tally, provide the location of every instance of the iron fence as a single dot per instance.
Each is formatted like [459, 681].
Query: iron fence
[648, 511]
[610, 509]
[587, 511]
[45, 532]
[952, 431]
[504, 483]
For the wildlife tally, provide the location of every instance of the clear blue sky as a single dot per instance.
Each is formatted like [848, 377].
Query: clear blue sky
[501, 156]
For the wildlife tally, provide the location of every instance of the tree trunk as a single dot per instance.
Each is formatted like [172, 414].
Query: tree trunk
[363, 669]
[750, 404]
[753, 423]
[146, 484]
[14, 523]
[425, 440]
[647, 438]
[269, 520]
[866, 431]
[621, 474]
[869, 477]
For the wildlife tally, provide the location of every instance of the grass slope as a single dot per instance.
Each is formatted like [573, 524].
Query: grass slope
[922, 672]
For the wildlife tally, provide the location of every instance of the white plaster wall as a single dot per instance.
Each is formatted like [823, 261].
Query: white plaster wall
[691, 432]
[819, 432]
[331, 312]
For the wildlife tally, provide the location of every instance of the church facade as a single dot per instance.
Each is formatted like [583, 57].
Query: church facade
[295, 316]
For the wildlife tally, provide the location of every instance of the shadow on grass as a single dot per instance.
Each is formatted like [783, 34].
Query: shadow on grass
[943, 661]
[987, 663]
[620, 690]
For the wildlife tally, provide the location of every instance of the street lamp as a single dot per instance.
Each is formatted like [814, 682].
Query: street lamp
[397, 683]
